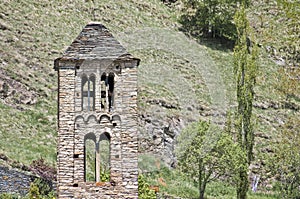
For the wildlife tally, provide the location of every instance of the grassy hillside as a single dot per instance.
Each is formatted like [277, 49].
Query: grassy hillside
[193, 75]
[32, 35]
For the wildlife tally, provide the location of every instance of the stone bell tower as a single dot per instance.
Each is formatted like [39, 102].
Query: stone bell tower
[97, 118]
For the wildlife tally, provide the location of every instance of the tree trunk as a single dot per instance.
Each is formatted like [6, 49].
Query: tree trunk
[202, 190]
[202, 179]
[201, 194]
[242, 186]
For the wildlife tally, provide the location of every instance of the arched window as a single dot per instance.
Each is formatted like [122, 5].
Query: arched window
[111, 85]
[84, 91]
[88, 93]
[103, 88]
[90, 157]
[97, 158]
[107, 91]
[104, 153]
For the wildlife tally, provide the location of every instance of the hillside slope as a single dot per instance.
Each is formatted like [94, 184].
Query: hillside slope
[34, 34]
[180, 79]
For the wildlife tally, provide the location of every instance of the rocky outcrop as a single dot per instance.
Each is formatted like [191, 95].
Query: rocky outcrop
[14, 182]
[158, 136]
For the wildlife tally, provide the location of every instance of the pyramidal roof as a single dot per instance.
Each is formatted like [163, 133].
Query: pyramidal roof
[95, 42]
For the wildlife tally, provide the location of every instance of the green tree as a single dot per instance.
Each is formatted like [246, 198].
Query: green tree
[212, 18]
[245, 68]
[203, 157]
[285, 163]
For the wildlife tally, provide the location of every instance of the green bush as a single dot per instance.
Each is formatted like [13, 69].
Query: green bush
[144, 191]
[40, 189]
[34, 192]
[104, 175]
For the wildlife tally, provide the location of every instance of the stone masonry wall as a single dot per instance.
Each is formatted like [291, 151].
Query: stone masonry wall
[129, 137]
[66, 132]
[120, 124]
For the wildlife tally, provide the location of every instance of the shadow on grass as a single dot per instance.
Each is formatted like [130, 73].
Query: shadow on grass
[221, 38]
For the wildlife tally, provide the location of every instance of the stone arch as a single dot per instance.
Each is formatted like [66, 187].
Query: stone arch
[84, 76]
[104, 136]
[79, 119]
[91, 119]
[104, 118]
[116, 120]
[91, 136]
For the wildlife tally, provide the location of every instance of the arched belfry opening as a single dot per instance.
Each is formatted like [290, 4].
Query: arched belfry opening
[88, 92]
[104, 157]
[107, 91]
[111, 85]
[103, 90]
[90, 157]
[97, 119]
[97, 158]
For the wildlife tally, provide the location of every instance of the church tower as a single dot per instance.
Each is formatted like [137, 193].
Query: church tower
[97, 118]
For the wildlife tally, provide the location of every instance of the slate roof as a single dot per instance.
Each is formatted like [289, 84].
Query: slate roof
[95, 42]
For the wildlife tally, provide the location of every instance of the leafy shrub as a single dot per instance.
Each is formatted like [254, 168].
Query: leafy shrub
[104, 175]
[34, 191]
[144, 191]
[40, 189]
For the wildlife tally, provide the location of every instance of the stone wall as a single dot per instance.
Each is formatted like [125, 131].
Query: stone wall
[66, 131]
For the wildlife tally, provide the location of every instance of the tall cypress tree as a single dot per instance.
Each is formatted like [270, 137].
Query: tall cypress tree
[245, 66]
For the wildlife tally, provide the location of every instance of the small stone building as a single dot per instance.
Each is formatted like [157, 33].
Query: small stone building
[97, 118]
